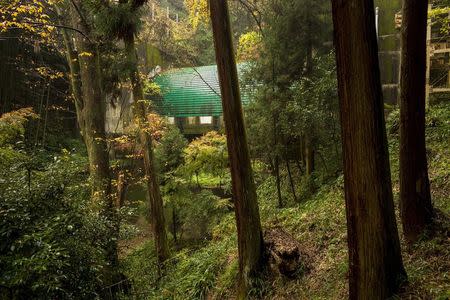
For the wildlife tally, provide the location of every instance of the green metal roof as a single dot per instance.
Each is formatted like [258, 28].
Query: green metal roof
[191, 92]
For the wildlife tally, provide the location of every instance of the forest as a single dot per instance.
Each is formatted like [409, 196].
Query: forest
[214, 149]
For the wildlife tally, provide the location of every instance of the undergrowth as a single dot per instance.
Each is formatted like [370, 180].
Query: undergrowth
[318, 223]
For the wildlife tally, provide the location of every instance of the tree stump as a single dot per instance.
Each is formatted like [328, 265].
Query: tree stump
[283, 251]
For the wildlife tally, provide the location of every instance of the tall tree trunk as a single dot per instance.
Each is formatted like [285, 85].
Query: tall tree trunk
[309, 146]
[94, 130]
[154, 193]
[174, 224]
[291, 180]
[309, 156]
[250, 242]
[278, 180]
[415, 200]
[75, 79]
[376, 266]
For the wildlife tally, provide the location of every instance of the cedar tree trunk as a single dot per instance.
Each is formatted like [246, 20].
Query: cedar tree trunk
[415, 199]
[250, 242]
[376, 266]
[154, 193]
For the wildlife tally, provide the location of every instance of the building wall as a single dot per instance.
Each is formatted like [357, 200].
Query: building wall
[389, 48]
[118, 113]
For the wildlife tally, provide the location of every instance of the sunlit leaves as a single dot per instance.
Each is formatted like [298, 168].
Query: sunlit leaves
[207, 154]
[441, 16]
[32, 16]
[249, 46]
[198, 11]
[12, 124]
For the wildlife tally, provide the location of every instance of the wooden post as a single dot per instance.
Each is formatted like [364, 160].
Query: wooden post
[377, 18]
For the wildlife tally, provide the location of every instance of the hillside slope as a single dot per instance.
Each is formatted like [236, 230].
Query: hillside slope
[319, 224]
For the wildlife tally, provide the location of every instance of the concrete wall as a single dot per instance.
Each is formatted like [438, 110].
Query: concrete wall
[118, 112]
[389, 48]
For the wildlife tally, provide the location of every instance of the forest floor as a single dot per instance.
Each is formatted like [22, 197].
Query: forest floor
[318, 223]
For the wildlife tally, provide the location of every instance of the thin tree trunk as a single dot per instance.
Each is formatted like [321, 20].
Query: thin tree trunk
[277, 157]
[198, 182]
[324, 163]
[38, 126]
[309, 157]
[303, 150]
[291, 181]
[376, 266]
[250, 241]
[121, 190]
[46, 116]
[75, 79]
[309, 147]
[278, 180]
[299, 166]
[415, 200]
[154, 193]
[174, 224]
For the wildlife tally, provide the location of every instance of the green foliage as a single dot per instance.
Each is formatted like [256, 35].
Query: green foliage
[294, 103]
[189, 274]
[12, 126]
[249, 46]
[319, 224]
[207, 154]
[151, 89]
[50, 241]
[169, 151]
[439, 14]
[437, 132]
[193, 212]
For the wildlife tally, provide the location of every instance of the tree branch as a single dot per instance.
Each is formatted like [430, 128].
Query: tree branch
[59, 26]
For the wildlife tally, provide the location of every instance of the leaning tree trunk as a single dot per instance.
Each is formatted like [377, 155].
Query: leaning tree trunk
[94, 131]
[75, 80]
[250, 242]
[376, 266]
[309, 146]
[415, 199]
[154, 193]
[309, 156]
[278, 181]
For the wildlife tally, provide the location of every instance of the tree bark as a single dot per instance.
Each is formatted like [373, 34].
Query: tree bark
[278, 181]
[309, 146]
[154, 193]
[376, 266]
[250, 241]
[75, 80]
[309, 157]
[174, 224]
[291, 180]
[93, 117]
[415, 200]
[121, 190]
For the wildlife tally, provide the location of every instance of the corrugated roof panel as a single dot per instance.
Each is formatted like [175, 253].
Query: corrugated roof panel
[191, 92]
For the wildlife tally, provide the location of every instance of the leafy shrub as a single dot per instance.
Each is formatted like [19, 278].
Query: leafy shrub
[207, 154]
[190, 274]
[50, 240]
